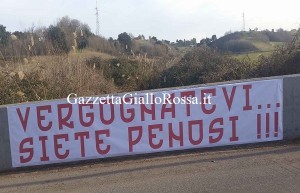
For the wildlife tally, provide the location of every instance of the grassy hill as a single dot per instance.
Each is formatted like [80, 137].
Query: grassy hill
[263, 49]
[251, 45]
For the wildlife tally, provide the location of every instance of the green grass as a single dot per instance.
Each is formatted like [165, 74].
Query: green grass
[266, 49]
[251, 56]
[263, 46]
[266, 46]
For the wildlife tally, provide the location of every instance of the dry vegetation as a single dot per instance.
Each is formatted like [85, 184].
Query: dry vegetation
[94, 73]
[32, 70]
[85, 73]
[50, 77]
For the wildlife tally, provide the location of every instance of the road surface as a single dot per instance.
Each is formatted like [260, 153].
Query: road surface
[264, 169]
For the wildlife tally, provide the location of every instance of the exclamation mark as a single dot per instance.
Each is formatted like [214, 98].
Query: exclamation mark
[276, 124]
[267, 125]
[258, 126]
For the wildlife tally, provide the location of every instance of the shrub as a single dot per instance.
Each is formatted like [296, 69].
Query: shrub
[202, 66]
[101, 44]
[53, 78]
[124, 72]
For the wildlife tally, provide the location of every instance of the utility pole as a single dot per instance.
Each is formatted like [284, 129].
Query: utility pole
[97, 20]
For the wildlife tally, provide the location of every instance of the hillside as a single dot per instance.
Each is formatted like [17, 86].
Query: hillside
[250, 44]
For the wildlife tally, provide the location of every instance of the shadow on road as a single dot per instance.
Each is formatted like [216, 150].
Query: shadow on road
[158, 166]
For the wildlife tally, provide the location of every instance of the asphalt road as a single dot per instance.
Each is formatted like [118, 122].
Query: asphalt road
[264, 169]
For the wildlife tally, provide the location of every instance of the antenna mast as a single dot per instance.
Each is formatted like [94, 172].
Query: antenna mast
[97, 20]
[244, 22]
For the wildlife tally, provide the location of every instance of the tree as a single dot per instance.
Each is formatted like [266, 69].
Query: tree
[58, 39]
[20, 35]
[193, 41]
[154, 39]
[82, 42]
[69, 26]
[4, 35]
[205, 41]
[125, 41]
[213, 38]
[86, 30]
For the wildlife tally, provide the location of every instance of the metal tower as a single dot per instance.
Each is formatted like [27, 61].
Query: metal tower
[97, 20]
[244, 22]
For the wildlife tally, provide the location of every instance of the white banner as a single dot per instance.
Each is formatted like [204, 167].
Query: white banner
[57, 131]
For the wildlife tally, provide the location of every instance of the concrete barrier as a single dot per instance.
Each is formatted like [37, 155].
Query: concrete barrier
[291, 115]
[291, 107]
[5, 155]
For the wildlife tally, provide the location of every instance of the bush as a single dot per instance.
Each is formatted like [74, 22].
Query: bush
[132, 74]
[55, 77]
[20, 87]
[124, 72]
[101, 44]
[279, 63]
[202, 66]
[150, 49]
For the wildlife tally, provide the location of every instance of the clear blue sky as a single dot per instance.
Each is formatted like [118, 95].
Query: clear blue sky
[165, 19]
